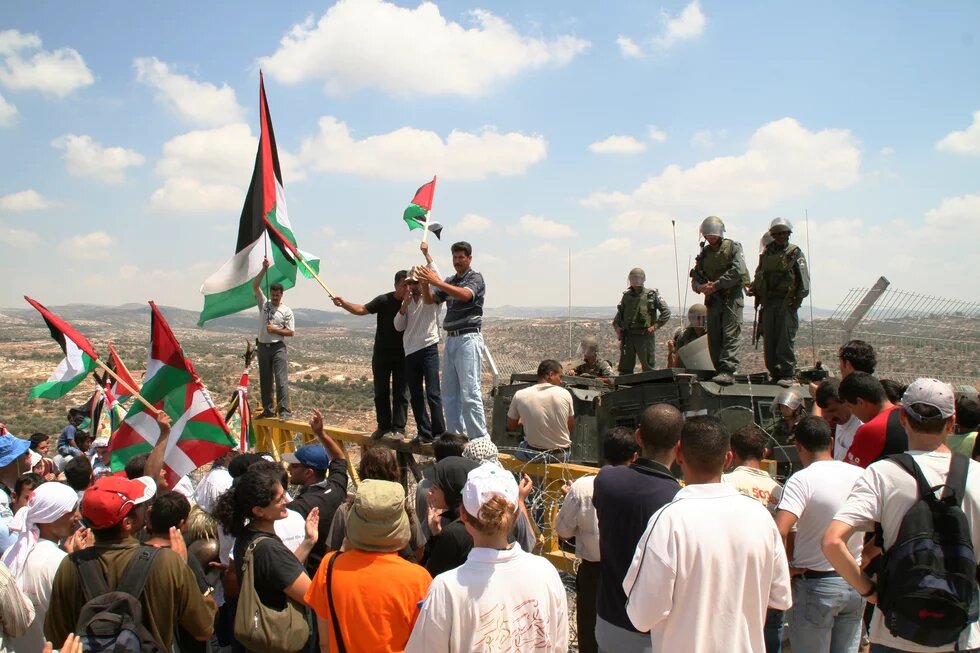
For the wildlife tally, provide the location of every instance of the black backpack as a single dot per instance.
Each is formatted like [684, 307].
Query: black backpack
[112, 620]
[927, 585]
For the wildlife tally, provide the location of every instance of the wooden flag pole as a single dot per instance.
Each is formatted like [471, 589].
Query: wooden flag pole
[132, 391]
[316, 276]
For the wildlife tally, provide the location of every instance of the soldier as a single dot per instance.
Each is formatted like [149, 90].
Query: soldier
[697, 325]
[787, 410]
[640, 313]
[720, 274]
[593, 365]
[781, 282]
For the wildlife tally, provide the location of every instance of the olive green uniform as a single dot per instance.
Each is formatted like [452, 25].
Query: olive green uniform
[638, 311]
[781, 282]
[726, 268]
[599, 368]
[684, 337]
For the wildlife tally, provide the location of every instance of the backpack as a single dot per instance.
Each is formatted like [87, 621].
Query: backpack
[927, 585]
[112, 619]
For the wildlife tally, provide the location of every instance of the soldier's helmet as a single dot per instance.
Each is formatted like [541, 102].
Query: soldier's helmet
[697, 316]
[712, 226]
[780, 224]
[589, 345]
[789, 398]
[638, 273]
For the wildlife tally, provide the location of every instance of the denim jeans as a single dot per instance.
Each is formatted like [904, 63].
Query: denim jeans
[422, 367]
[881, 648]
[529, 454]
[826, 616]
[461, 396]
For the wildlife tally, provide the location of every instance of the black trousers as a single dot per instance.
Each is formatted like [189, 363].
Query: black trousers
[390, 390]
[586, 591]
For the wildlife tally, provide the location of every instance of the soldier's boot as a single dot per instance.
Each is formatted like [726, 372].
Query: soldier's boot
[723, 379]
[787, 382]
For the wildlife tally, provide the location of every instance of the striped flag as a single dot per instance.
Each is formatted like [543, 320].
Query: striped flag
[78, 362]
[416, 216]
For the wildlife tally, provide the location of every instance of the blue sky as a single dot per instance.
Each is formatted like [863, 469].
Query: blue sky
[556, 128]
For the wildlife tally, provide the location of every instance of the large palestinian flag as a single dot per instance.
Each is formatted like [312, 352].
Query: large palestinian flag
[198, 433]
[79, 357]
[263, 231]
[416, 216]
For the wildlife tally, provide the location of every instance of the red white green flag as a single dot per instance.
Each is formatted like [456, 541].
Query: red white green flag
[124, 390]
[416, 216]
[78, 362]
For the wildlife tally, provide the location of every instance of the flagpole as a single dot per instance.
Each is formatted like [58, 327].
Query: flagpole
[316, 276]
[132, 391]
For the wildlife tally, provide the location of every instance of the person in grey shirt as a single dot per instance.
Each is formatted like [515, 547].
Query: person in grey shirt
[275, 325]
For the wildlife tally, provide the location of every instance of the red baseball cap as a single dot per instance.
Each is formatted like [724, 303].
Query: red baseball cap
[112, 497]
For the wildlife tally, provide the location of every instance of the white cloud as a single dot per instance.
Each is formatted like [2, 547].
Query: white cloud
[686, 26]
[13, 237]
[474, 222]
[194, 102]
[707, 138]
[966, 141]
[88, 247]
[956, 215]
[886, 151]
[618, 145]
[25, 200]
[540, 227]
[56, 72]
[85, 157]
[410, 52]
[208, 171]
[783, 160]
[8, 113]
[656, 135]
[399, 155]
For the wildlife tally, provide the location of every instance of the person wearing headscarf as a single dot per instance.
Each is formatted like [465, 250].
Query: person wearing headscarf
[450, 543]
[48, 518]
[483, 450]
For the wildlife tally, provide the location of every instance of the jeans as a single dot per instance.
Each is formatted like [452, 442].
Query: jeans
[390, 390]
[772, 631]
[881, 648]
[461, 396]
[826, 616]
[273, 364]
[422, 366]
[527, 453]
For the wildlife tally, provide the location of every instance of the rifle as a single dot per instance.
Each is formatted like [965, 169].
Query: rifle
[755, 326]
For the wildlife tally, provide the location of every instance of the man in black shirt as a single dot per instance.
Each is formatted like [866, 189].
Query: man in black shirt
[321, 470]
[625, 498]
[388, 361]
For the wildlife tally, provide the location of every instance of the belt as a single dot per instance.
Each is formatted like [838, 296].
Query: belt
[561, 450]
[810, 574]
[462, 332]
[269, 344]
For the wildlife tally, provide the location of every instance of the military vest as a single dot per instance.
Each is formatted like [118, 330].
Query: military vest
[776, 267]
[714, 264]
[636, 310]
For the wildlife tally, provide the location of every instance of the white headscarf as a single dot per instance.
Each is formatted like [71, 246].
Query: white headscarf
[49, 502]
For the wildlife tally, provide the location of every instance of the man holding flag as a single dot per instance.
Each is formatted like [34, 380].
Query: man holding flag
[275, 325]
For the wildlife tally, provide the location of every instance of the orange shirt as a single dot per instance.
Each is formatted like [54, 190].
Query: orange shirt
[376, 597]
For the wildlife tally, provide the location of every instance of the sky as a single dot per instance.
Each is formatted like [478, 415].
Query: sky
[572, 141]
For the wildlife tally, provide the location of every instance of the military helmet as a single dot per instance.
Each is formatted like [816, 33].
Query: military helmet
[697, 315]
[712, 226]
[590, 342]
[638, 272]
[780, 224]
[789, 398]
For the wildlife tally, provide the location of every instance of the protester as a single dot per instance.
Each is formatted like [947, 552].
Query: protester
[372, 591]
[276, 323]
[881, 434]
[884, 494]
[445, 445]
[79, 475]
[964, 437]
[837, 414]
[388, 357]
[450, 542]
[115, 509]
[488, 602]
[14, 461]
[856, 356]
[463, 294]
[747, 475]
[893, 390]
[321, 472]
[577, 519]
[710, 551]
[625, 498]
[546, 412]
[826, 615]
[100, 459]
[24, 488]
[41, 444]
[215, 483]
[49, 517]
[66, 440]
[16, 611]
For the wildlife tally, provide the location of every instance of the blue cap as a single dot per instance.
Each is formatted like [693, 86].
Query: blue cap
[310, 455]
[12, 448]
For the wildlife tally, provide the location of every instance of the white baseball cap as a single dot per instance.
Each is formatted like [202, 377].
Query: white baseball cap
[929, 392]
[485, 482]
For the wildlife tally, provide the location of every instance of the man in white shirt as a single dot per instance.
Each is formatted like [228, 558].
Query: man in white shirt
[419, 323]
[884, 493]
[747, 475]
[276, 323]
[838, 414]
[545, 410]
[577, 518]
[215, 483]
[711, 561]
[826, 615]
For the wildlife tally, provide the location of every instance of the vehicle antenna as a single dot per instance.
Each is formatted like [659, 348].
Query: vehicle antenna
[677, 271]
[813, 333]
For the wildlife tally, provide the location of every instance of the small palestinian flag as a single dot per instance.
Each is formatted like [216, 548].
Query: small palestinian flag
[79, 357]
[416, 216]
[124, 390]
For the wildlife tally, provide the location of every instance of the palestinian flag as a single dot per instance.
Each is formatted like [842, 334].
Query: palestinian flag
[79, 357]
[263, 231]
[124, 390]
[416, 216]
[239, 416]
[166, 366]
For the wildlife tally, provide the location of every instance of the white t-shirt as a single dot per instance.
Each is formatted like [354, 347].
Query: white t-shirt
[39, 573]
[279, 316]
[709, 564]
[185, 487]
[495, 601]
[216, 483]
[815, 494]
[420, 323]
[884, 493]
[544, 410]
[755, 484]
[577, 518]
[844, 436]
